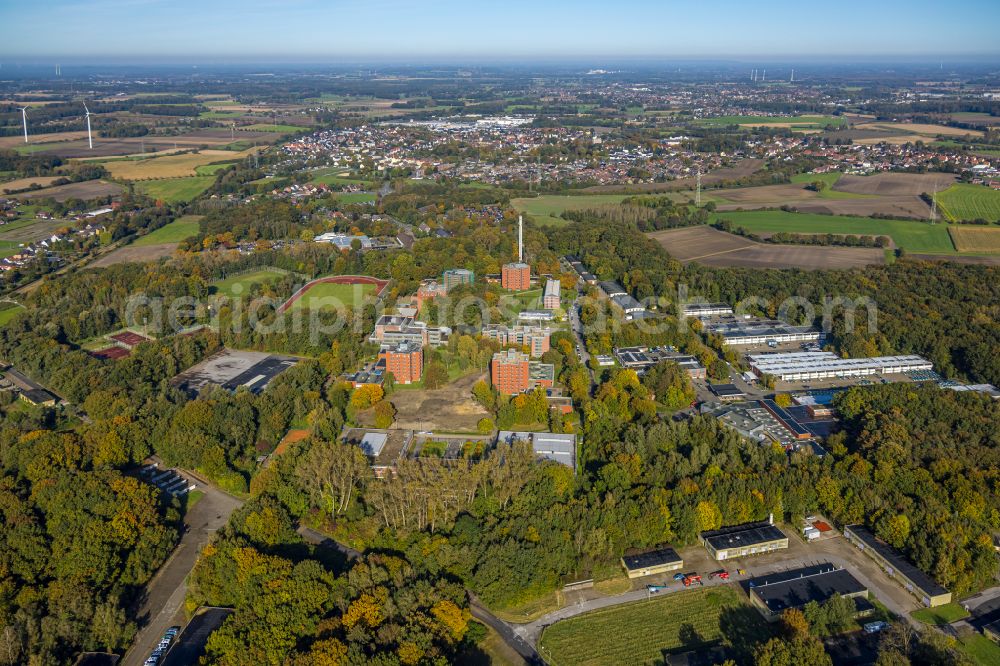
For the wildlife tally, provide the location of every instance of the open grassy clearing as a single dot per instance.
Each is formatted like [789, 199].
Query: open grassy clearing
[941, 615]
[329, 295]
[980, 649]
[335, 177]
[240, 284]
[356, 197]
[8, 311]
[176, 231]
[984, 240]
[969, 202]
[175, 190]
[915, 236]
[642, 632]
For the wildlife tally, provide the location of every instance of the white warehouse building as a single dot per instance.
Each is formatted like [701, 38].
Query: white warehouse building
[800, 366]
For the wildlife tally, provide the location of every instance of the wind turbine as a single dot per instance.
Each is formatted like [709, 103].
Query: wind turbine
[24, 117]
[90, 139]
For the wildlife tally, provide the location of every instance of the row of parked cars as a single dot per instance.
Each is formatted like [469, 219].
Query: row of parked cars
[164, 645]
[169, 481]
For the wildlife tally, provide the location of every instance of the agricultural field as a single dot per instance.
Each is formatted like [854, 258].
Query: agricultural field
[240, 284]
[16, 141]
[135, 253]
[793, 122]
[711, 247]
[175, 232]
[967, 238]
[969, 202]
[643, 632]
[913, 235]
[175, 190]
[282, 129]
[171, 166]
[546, 209]
[86, 190]
[22, 183]
[921, 129]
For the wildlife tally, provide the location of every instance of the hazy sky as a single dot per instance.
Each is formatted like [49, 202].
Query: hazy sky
[316, 29]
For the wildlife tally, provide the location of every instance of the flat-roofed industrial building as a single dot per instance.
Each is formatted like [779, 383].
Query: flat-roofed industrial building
[918, 583]
[706, 310]
[661, 560]
[558, 447]
[800, 366]
[760, 331]
[550, 299]
[642, 359]
[741, 540]
[775, 593]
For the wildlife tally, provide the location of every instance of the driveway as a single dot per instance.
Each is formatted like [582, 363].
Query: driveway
[162, 605]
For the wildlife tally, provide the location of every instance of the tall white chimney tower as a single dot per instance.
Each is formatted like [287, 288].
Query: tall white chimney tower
[520, 239]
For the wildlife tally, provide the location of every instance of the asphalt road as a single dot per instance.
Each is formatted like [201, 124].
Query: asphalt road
[162, 605]
[507, 632]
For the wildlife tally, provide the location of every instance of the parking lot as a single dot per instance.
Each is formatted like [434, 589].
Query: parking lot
[168, 480]
[834, 549]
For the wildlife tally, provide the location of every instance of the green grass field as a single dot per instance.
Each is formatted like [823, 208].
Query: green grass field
[356, 197]
[546, 208]
[211, 169]
[640, 632]
[940, 615]
[333, 177]
[220, 115]
[969, 202]
[176, 231]
[913, 235]
[8, 311]
[806, 122]
[980, 649]
[264, 127]
[241, 283]
[175, 190]
[328, 295]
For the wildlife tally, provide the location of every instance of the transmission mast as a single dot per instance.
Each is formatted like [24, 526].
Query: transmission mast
[697, 192]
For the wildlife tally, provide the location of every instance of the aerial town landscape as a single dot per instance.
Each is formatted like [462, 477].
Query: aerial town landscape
[370, 353]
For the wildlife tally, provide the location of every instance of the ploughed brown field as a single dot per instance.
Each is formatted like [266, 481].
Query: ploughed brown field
[712, 247]
[895, 184]
[17, 140]
[88, 189]
[896, 194]
[741, 170]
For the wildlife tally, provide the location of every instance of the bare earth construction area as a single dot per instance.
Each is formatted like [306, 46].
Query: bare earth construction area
[712, 247]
